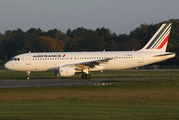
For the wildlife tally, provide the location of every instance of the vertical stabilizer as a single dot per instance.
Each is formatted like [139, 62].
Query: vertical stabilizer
[159, 40]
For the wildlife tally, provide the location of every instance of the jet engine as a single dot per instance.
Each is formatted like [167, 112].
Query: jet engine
[66, 71]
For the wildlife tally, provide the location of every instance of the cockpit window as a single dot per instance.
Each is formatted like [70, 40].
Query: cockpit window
[16, 59]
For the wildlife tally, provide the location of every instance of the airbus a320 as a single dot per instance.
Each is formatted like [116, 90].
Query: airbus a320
[66, 64]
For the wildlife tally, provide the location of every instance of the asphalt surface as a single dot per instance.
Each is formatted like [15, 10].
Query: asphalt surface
[63, 82]
[71, 82]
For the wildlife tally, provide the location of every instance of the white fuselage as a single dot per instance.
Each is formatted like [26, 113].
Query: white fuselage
[50, 61]
[68, 63]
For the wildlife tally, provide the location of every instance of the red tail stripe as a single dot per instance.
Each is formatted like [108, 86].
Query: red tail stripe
[163, 43]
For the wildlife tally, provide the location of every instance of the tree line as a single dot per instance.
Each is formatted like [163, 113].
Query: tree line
[14, 42]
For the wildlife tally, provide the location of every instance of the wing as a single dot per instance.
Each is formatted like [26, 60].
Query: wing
[90, 64]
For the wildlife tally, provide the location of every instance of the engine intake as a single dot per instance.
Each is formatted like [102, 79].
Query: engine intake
[66, 71]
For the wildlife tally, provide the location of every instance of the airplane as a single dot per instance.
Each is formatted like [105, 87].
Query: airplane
[66, 64]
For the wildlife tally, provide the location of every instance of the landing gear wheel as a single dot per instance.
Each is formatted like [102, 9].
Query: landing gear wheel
[83, 76]
[88, 76]
[28, 77]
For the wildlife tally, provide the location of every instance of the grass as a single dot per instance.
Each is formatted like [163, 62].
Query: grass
[7, 75]
[87, 110]
[143, 99]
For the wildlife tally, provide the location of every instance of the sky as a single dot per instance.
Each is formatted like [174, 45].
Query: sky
[119, 16]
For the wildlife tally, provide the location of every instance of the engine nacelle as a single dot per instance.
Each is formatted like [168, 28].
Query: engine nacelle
[66, 71]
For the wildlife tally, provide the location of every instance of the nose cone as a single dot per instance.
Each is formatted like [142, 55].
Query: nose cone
[8, 66]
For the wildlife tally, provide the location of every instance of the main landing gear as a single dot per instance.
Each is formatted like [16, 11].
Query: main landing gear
[86, 76]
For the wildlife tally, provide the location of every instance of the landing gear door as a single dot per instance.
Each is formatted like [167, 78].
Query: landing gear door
[28, 60]
[140, 58]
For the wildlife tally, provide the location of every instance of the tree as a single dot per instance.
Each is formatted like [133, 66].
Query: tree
[111, 46]
[132, 44]
[93, 42]
[72, 45]
[1, 48]
[105, 33]
[37, 32]
[50, 44]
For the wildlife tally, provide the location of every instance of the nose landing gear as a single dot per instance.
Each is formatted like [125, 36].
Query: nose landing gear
[28, 75]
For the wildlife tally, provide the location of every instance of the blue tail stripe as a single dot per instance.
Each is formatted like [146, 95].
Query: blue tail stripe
[163, 29]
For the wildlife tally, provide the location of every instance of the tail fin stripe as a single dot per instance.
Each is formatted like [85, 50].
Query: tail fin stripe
[158, 35]
[161, 38]
[158, 42]
[163, 43]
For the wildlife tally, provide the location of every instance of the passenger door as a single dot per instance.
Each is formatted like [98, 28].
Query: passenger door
[28, 60]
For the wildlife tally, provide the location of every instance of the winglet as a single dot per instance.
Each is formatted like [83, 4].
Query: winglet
[159, 40]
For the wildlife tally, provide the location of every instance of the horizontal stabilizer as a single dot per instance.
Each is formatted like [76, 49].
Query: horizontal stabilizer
[164, 55]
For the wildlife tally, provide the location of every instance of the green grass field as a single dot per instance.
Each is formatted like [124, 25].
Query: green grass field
[143, 99]
[8, 75]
